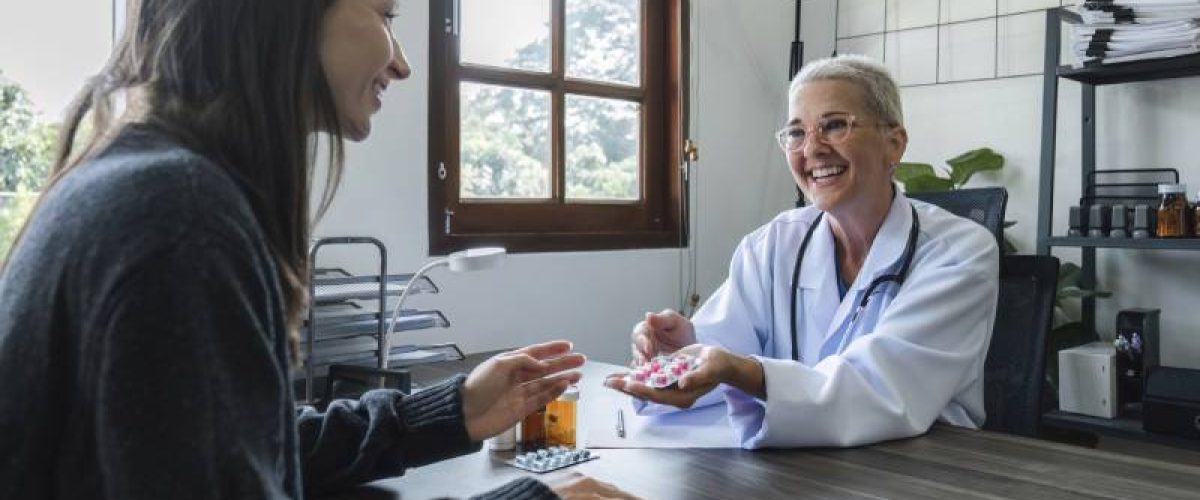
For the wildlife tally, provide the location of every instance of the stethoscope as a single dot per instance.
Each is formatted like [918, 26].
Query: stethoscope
[897, 278]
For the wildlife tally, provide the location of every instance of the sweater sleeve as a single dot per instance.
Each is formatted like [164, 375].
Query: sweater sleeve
[384, 432]
[526, 488]
[381, 434]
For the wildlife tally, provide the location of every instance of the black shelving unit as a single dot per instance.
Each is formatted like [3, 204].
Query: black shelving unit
[1137, 71]
[1126, 427]
[1089, 77]
[1142, 244]
[347, 323]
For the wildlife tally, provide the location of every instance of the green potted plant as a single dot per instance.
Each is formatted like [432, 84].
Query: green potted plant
[922, 177]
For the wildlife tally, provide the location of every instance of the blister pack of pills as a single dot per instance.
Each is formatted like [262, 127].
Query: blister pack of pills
[664, 371]
[549, 459]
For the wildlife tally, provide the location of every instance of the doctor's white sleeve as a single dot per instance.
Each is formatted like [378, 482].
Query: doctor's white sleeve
[928, 346]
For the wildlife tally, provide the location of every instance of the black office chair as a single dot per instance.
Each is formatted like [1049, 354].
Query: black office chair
[983, 205]
[1014, 370]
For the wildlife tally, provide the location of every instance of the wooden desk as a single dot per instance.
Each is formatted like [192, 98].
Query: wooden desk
[948, 462]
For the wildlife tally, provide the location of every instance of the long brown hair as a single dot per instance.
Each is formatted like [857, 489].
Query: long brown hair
[240, 82]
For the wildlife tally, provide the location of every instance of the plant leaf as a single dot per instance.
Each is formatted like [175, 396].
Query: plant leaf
[1068, 275]
[1009, 247]
[963, 166]
[906, 171]
[925, 184]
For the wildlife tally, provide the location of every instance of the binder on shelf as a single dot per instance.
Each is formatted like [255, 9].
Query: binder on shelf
[366, 324]
[342, 288]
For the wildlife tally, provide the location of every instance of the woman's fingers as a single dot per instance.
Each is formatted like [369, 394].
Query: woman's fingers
[523, 367]
[542, 391]
[567, 362]
[519, 365]
[545, 350]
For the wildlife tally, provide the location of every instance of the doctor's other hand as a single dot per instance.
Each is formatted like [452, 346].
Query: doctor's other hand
[509, 386]
[576, 486]
[717, 366]
[661, 333]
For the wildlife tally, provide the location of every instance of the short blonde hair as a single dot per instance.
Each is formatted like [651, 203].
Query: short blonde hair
[878, 88]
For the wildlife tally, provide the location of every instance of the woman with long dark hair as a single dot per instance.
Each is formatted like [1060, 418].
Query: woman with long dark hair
[151, 303]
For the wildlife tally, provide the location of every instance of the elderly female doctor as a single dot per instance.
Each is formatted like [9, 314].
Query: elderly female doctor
[863, 317]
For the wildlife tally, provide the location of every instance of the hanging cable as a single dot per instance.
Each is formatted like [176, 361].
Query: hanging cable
[796, 58]
[689, 299]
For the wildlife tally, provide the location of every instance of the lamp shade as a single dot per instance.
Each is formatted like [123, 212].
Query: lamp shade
[476, 259]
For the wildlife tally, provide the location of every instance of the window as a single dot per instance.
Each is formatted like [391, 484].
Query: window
[555, 124]
[47, 51]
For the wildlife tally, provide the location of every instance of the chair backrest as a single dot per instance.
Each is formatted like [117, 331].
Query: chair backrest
[1015, 365]
[983, 205]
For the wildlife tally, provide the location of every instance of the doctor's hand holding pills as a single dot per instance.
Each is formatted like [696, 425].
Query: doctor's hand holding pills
[682, 377]
[661, 333]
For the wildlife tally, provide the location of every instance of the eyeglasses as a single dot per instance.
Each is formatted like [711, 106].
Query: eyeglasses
[832, 130]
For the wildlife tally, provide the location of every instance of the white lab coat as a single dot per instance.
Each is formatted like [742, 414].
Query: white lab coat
[910, 359]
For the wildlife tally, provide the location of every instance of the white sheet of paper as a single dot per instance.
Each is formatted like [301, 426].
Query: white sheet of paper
[706, 427]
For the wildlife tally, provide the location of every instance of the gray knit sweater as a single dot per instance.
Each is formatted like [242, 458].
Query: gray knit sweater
[143, 352]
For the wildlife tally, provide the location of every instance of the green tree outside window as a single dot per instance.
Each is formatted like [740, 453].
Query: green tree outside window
[26, 151]
[505, 141]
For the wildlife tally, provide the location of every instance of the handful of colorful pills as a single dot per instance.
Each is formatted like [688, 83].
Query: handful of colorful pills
[664, 371]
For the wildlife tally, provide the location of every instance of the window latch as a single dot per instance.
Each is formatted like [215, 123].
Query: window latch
[441, 172]
[449, 213]
[691, 153]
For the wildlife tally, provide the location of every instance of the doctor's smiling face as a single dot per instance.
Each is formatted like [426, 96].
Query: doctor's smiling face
[840, 153]
[360, 57]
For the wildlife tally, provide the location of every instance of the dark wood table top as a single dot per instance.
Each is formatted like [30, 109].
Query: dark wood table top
[947, 462]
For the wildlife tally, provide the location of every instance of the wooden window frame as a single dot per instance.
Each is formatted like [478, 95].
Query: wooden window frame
[557, 224]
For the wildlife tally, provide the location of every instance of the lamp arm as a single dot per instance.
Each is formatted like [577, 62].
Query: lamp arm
[412, 283]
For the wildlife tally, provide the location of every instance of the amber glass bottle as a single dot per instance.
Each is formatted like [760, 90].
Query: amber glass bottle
[561, 417]
[533, 431]
[1173, 212]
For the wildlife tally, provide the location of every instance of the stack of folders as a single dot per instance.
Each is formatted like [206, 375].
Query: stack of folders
[1115, 31]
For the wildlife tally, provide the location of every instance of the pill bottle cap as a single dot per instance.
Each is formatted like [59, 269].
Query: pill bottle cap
[572, 394]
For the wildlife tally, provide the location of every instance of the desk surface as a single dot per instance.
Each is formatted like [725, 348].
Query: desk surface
[948, 462]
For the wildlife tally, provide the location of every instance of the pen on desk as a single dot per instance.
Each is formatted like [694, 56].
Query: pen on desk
[620, 423]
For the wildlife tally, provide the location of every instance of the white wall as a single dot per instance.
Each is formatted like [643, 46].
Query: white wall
[1139, 125]
[592, 298]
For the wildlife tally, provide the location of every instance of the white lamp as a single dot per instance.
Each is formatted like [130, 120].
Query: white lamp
[474, 259]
